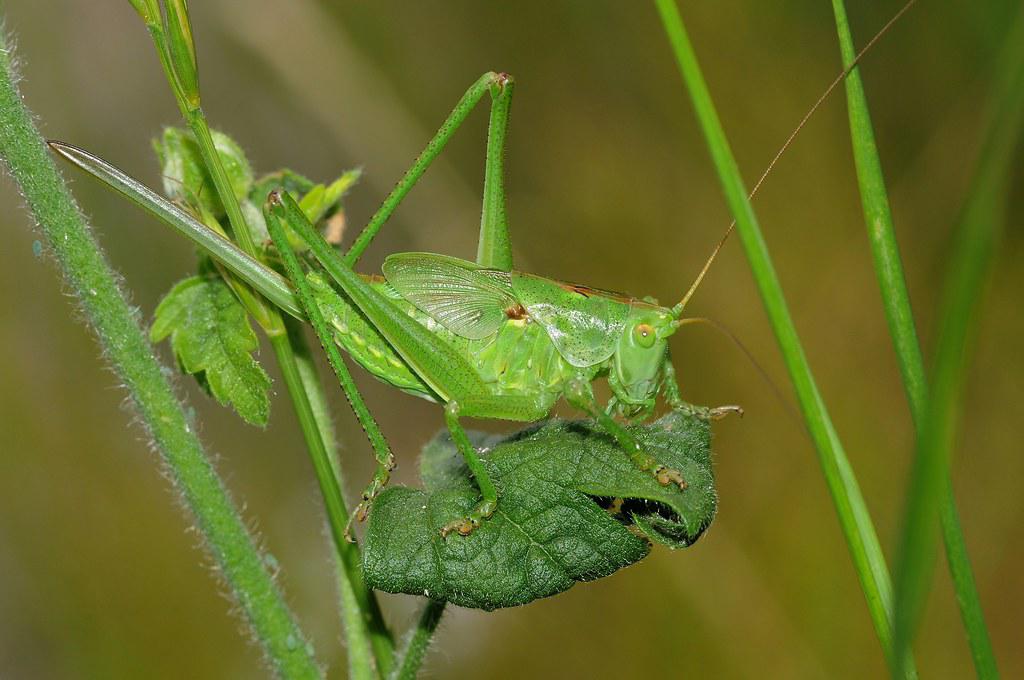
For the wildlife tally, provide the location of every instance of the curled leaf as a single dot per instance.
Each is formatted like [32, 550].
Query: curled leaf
[571, 507]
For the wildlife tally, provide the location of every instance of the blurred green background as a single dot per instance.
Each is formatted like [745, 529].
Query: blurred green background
[609, 184]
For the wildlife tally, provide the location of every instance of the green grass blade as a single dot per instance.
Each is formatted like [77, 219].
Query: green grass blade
[896, 300]
[960, 571]
[882, 235]
[124, 344]
[972, 252]
[854, 518]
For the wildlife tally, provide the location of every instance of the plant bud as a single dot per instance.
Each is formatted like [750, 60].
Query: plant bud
[181, 50]
[148, 10]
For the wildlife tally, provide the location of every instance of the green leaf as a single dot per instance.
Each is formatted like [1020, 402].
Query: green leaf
[186, 178]
[212, 339]
[321, 201]
[571, 507]
[286, 179]
[318, 201]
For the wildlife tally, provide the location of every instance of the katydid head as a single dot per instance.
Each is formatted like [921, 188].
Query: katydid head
[639, 358]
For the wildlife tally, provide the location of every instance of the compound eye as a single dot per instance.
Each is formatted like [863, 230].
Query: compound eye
[644, 335]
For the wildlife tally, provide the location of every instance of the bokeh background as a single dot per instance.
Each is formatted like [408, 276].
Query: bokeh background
[609, 184]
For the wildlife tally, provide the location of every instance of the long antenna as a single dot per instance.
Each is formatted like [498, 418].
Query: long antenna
[789, 408]
[678, 309]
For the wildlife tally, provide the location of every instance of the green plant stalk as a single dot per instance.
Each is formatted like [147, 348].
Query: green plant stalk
[125, 346]
[294, 270]
[896, 300]
[367, 626]
[240, 229]
[370, 616]
[972, 252]
[359, 651]
[362, 628]
[854, 518]
[415, 649]
[266, 315]
[188, 101]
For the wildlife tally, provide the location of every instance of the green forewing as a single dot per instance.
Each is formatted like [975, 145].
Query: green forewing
[469, 300]
[585, 325]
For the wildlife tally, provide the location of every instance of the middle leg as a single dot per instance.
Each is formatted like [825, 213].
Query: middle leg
[489, 495]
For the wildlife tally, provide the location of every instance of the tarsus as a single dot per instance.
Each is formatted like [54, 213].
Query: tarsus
[790, 409]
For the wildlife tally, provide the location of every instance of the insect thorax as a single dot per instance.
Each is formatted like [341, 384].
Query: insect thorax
[519, 359]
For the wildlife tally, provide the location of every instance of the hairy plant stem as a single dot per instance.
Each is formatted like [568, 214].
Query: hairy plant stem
[410, 658]
[125, 346]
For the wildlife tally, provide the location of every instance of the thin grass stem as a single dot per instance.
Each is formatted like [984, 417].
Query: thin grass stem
[971, 254]
[896, 301]
[851, 509]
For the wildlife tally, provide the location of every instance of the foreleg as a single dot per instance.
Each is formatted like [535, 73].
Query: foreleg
[670, 388]
[580, 394]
